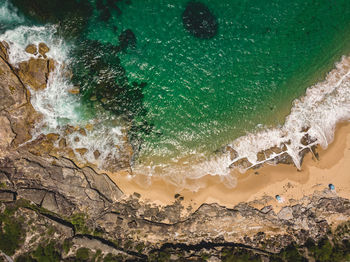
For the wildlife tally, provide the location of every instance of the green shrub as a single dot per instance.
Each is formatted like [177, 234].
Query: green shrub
[11, 232]
[83, 254]
[47, 253]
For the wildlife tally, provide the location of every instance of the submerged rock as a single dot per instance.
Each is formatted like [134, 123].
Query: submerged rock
[199, 21]
[127, 39]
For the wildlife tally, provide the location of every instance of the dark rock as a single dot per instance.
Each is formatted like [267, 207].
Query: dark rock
[105, 14]
[127, 39]
[242, 163]
[199, 21]
[7, 196]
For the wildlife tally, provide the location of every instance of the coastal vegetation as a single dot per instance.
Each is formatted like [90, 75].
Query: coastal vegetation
[14, 228]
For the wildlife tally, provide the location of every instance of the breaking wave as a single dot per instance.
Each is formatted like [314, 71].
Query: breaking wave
[313, 116]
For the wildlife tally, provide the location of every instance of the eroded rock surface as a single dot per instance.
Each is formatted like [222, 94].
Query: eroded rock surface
[58, 205]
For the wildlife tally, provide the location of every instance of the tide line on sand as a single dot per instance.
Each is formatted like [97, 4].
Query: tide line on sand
[262, 185]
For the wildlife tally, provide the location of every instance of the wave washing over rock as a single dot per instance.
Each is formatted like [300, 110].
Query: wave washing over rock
[312, 121]
[101, 138]
[60, 109]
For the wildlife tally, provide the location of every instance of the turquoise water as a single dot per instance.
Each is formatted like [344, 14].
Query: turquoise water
[204, 93]
[184, 95]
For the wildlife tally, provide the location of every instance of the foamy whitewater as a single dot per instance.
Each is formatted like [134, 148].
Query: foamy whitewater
[318, 111]
[58, 107]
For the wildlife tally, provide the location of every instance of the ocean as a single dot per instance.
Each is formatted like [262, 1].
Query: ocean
[179, 81]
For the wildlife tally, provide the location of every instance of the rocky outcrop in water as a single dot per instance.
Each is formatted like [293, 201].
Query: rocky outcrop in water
[35, 72]
[49, 207]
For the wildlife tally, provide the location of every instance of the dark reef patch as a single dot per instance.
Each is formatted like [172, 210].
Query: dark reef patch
[199, 21]
[102, 79]
[127, 39]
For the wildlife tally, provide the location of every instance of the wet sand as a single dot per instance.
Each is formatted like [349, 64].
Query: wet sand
[260, 186]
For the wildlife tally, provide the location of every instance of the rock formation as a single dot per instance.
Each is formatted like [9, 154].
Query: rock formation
[50, 207]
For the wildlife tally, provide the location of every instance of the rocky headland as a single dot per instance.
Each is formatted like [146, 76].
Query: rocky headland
[51, 207]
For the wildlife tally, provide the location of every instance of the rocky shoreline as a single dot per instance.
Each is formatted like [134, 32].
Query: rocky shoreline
[51, 207]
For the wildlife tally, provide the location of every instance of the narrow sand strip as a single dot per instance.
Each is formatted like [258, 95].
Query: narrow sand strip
[262, 185]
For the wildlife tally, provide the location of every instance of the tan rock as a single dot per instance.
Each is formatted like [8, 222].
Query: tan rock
[89, 127]
[261, 156]
[233, 153]
[34, 73]
[242, 163]
[97, 154]
[81, 151]
[51, 65]
[53, 137]
[23, 120]
[69, 130]
[82, 131]
[43, 49]
[62, 143]
[31, 49]
[3, 50]
[265, 154]
[71, 154]
[12, 93]
[74, 91]
[40, 146]
[6, 134]
[14, 97]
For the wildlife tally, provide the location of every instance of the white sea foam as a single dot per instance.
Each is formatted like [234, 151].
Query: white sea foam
[58, 107]
[320, 109]
[8, 14]
[316, 114]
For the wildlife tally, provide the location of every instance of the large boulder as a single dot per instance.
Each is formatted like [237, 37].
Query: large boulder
[35, 72]
[43, 49]
[17, 115]
[31, 49]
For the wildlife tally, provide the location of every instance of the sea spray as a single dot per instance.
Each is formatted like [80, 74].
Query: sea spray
[58, 107]
[315, 114]
[9, 16]
[323, 105]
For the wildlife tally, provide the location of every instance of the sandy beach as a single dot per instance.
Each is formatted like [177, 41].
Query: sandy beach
[260, 186]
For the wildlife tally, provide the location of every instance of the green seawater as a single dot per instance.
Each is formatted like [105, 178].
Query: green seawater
[204, 93]
[199, 94]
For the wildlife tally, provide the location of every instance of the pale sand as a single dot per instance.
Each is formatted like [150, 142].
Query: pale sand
[260, 189]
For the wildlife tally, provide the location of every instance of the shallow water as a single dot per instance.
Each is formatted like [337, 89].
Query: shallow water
[182, 98]
[203, 93]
